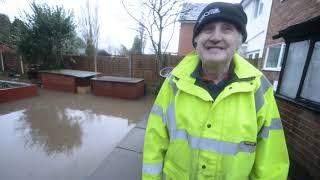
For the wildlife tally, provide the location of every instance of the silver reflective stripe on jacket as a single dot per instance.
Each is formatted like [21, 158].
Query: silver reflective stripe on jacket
[170, 114]
[157, 110]
[259, 99]
[221, 147]
[156, 169]
[275, 125]
[153, 169]
[201, 143]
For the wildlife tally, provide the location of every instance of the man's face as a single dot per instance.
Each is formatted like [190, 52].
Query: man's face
[217, 42]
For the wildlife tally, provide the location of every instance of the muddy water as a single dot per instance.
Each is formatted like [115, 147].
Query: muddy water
[62, 135]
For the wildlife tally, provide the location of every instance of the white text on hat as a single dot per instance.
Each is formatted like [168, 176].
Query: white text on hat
[210, 12]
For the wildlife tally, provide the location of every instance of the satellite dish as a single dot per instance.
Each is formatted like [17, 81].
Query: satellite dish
[165, 71]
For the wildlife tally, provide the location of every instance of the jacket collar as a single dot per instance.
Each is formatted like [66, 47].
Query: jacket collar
[243, 70]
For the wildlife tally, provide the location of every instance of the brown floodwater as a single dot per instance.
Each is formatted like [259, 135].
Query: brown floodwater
[60, 135]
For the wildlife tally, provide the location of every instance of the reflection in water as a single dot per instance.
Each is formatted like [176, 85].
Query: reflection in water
[56, 144]
[56, 131]
[53, 131]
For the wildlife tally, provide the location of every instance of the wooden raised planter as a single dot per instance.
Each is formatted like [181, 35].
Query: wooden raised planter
[10, 90]
[66, 80]
[122, 87]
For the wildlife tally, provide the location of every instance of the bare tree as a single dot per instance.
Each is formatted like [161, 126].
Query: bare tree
[90, 29]
[157, 15]
[142, 36]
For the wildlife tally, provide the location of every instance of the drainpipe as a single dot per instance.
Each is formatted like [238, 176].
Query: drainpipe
[2, 64]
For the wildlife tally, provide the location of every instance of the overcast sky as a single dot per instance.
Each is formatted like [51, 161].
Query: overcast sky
[116, 25]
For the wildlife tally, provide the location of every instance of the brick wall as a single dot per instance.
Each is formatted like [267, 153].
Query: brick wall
[185, 38]
[300, 124]
[272, 75]
[287, 13]
[301, 128]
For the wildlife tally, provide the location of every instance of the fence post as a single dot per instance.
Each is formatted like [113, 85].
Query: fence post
[2, 64]
[130, 65]
[21, 65]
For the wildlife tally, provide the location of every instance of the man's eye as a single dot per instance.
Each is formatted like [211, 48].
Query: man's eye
[207, 30]
[227, 28]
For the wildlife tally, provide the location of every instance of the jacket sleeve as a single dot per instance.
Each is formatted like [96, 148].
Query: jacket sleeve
[156, 137]
[271, 161]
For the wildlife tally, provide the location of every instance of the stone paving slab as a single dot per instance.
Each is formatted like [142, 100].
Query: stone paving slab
[121, 164]
[125, 161]
[143, 124]
[133, 141]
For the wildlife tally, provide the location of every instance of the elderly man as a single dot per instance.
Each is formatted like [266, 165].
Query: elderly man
[215, 116]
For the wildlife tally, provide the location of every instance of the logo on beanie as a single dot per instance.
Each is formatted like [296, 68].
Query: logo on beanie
[210, 12]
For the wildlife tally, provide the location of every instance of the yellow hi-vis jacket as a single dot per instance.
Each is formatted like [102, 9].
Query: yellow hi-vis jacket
[237, 136]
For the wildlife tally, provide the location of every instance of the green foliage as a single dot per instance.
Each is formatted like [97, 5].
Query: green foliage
[102, 52]
[73, 44]
[90, 49]
[136, 46]
[123, 50]
[4, 28]
[17, 30]
[48, 35]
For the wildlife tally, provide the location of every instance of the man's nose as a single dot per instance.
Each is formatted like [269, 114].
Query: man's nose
[215, 35]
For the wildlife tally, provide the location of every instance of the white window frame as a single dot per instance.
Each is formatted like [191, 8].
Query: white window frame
[278, 68]
[253, 53]
[256, 9]
[261, 6]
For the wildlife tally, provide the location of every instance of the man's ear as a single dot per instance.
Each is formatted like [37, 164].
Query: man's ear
[195, 41]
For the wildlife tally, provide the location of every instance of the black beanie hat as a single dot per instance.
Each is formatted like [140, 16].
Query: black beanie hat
[232, 13]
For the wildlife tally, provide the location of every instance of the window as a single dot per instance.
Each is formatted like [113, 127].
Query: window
[253, 54]
[311, 85]
[296, 59]
[274, 57]
[300, 79]
[260, 8]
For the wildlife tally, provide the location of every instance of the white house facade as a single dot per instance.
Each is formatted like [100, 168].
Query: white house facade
[258, 13]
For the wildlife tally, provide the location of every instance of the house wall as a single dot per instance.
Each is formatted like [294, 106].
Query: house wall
[284, 14]
[185, 38]
[301, 127]
[257, 26]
